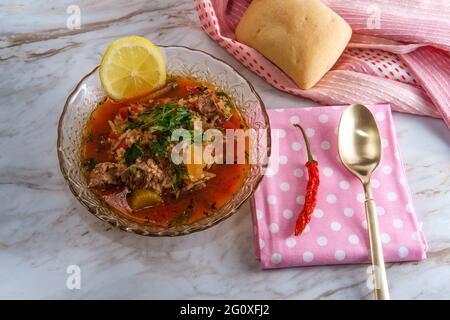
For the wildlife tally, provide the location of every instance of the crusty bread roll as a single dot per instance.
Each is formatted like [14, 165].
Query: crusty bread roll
[302, 37]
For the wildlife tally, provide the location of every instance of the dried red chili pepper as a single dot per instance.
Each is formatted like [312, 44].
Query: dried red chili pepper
[312, 187]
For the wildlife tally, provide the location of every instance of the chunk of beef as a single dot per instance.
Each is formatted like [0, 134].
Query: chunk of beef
[212, 106]
[205, 104]
[144, 175]
[105, 174]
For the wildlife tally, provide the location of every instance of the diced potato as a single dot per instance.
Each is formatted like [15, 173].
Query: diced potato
[195, 171]
[142, 198]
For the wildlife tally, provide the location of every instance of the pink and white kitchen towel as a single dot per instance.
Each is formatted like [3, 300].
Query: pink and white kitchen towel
[399, 53]
[337, 233]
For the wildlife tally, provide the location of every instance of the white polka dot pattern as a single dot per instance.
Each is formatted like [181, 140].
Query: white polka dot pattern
[284, 186]
[397, 223]
[290, 242]
[327, 172]
[331, 198]
[392, 196]
[283, 159]
[281, 133]
[318, 213]
[325, 145]
[385, 238]
[403, 252]
[259, 214]
[300, 199]
[274, 228]
[294, 120]
[344, 184]
[339, 255]
[287, 214]
[322, 241]
[310, 132]
[335, 226]
[276, 258]
[272, 199]
[364, 224]
[348, 212]
[307, 229]
[262, 243]
[298, 173]
[296, 146]
[353, 239]
[387, 169]
[323, 118]
[375, 183]
[308, 256]
[360, 197]
[337, 232]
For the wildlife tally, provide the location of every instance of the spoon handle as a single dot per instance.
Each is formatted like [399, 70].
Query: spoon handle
[381, 290]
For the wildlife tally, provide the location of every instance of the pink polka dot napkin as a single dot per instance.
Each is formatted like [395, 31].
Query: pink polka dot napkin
[337, 233]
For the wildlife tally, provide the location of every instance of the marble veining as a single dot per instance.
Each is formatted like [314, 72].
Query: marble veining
[43, 229]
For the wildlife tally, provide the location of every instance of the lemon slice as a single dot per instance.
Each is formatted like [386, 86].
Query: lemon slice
[132, 67]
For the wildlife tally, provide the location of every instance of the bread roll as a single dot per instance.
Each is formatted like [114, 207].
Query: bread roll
[304, 38]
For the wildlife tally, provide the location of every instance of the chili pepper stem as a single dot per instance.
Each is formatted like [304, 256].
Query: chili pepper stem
[308, 147]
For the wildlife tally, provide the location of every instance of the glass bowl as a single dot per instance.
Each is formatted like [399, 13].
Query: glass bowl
[179, 61]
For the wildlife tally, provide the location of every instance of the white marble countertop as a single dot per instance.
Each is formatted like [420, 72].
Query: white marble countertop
[43, 229]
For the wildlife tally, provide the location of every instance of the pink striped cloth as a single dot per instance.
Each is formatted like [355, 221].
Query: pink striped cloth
[399, 53]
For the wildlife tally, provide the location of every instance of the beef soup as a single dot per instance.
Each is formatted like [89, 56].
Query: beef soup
[126, 154]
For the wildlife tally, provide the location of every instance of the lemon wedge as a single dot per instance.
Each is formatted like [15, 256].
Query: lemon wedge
[132, 67]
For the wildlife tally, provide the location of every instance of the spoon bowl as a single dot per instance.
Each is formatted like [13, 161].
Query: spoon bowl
[360, 150]
[359, 142]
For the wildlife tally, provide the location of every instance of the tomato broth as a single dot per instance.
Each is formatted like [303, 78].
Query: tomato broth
[202, 203]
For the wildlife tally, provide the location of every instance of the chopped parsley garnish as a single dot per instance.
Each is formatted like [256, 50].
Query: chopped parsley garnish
[133, 153]
[164, 119]
[129, 117]
[228, 102]
[133, 169]
[169, 116]
[89, 164]
[90, 137]
[135, 125]
[180, 172]
[185, 215]
[159, 145]
[202, 89]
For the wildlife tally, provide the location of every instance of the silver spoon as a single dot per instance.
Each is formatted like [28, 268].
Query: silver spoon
[360, 151]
